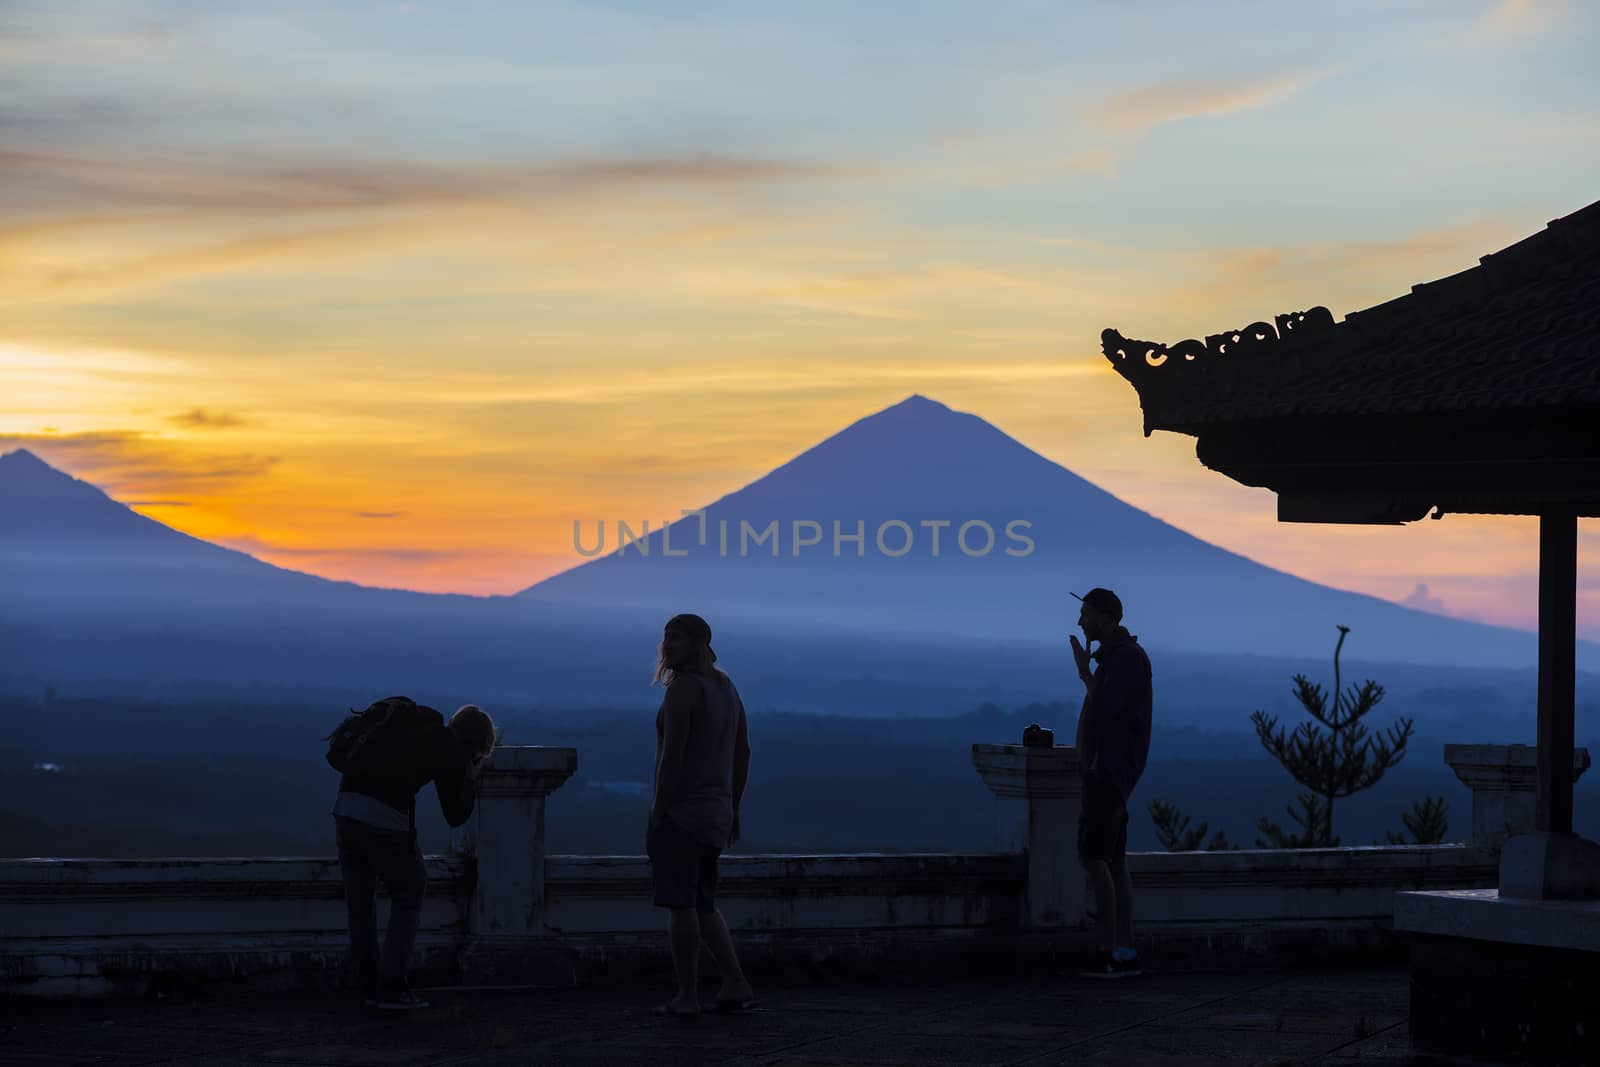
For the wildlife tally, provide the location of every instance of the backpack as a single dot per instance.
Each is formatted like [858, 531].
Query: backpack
[375, 741]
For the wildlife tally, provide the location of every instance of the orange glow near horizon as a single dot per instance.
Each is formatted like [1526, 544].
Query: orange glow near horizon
[496, 522]
[367, 315]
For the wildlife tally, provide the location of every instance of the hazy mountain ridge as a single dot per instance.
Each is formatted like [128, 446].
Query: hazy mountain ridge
[918, 461]
[96, 592]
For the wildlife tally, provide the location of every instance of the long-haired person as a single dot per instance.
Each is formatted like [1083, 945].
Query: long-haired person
[702, 764]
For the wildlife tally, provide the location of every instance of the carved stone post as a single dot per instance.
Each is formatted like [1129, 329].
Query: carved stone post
[1050, 785]
[1504, 780]
[506, 834]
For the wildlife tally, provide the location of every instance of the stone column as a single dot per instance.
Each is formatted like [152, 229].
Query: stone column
[1504, 780]
[506, 834]
[1046, 785]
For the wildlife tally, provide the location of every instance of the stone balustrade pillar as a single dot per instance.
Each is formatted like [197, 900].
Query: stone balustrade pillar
[1041, 793]
[506, 835]
[1504, 780]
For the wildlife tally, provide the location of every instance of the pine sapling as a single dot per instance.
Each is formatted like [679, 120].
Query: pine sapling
[1331, 757]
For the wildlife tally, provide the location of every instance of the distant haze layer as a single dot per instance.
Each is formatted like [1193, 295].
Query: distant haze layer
[97, 592]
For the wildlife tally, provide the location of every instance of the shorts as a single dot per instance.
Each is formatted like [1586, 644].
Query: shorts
[683, 869]
[1103, 822]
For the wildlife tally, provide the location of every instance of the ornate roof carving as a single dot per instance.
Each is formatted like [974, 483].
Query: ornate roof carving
[1258, 335]
[1520, 331]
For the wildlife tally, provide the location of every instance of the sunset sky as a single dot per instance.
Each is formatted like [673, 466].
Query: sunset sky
[394, 292]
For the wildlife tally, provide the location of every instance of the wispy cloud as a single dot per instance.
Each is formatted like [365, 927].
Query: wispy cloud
[267, 549]
[200, 418]
[1444, 248]
[79, 227]
[745, 380]
[1516, 17]
[1506, 23]
[1421, 599]
[130, 464]
[1217, 285]
[33, 37]
[1137, 110]
[49, 181]
[465, 569]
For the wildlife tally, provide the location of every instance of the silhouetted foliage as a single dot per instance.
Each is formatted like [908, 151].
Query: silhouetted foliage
[1175, 834]
[1428, 821]
[1332, 764]
[1311, 818]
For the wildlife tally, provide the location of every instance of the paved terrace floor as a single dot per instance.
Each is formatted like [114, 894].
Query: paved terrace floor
[1331, 1017]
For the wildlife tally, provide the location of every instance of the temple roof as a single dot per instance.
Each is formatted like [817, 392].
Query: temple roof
[1519, 331]
[1479, 392]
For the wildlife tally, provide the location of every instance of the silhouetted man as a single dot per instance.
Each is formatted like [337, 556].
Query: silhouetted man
[702, 763]
[376, 822]
[1113, 743]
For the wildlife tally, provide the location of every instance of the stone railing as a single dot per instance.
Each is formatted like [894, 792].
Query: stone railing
[1504, 780]
[498, 909]
[89, 926]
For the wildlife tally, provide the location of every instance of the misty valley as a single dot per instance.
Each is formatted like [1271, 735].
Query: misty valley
[103, 777]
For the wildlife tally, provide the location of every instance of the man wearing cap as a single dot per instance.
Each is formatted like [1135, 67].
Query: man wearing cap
[702, 764]
[1113, 744]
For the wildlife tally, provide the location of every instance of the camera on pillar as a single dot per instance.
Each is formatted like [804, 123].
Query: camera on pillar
[1036, 736]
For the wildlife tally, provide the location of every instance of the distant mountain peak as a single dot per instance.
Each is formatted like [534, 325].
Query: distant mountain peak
[916, 402]
[924, 433]
[20, 459]
[24, 474]
[916, 411]
[47, 514]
